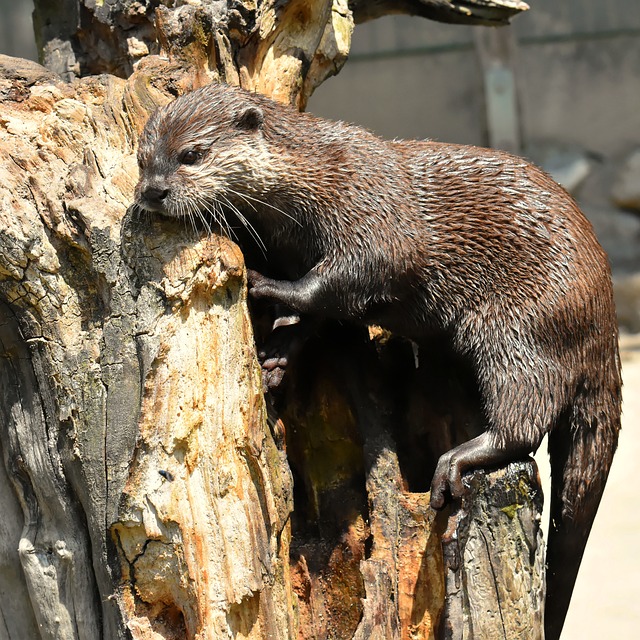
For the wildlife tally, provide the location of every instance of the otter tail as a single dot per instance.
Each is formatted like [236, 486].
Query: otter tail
[581, 449]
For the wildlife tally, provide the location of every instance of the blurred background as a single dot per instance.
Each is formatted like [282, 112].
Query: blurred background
[562, 87]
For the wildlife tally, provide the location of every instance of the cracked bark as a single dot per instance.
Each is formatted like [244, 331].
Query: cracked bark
[145, 495]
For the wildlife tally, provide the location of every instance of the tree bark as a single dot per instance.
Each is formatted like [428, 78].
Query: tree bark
[150, 493]
[282, 49]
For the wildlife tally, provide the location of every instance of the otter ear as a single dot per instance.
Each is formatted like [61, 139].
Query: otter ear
[250, 118]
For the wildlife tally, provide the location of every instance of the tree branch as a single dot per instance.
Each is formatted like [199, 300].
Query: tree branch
[480, 12]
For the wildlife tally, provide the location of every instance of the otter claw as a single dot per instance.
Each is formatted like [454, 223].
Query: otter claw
[255, 279]
[447, 481]
[272, 379]
[259, 285]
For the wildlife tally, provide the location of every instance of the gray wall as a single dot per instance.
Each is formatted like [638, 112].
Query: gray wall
[408, 77]
[16, 29]
[577, 71]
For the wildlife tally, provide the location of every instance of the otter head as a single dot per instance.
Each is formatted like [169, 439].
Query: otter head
[205, 153]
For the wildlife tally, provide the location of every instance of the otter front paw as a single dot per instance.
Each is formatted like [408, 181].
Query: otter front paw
[261, 287]
[479, 452]
[274, 366]
[282, 347]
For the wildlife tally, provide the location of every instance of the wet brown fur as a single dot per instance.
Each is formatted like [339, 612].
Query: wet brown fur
[421, 237]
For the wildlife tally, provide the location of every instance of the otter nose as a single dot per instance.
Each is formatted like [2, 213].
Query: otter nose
[153, 194]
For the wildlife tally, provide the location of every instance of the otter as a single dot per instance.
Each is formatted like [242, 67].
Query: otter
[421, 237]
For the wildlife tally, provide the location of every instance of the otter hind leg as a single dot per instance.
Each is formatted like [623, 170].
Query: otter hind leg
[478, 452]
[521, 394]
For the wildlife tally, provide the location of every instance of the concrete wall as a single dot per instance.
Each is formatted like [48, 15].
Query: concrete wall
[16, 29]
[577, 68]
[579, 73]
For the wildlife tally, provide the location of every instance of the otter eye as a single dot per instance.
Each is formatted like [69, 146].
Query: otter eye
[189, 157]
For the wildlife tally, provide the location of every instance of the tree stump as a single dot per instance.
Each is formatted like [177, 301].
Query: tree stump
[150, 492]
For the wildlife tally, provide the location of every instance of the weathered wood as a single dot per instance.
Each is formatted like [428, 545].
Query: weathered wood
[361, 471]
[53, 153]
[200, 527]
[146, 495]
[282, 49]
[494, 565]
[115, 420]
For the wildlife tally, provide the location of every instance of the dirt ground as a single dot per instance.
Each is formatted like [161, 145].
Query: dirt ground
[606, 600]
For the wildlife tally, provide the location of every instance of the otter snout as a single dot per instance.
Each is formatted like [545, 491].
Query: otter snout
[154, 194]
[152, 197]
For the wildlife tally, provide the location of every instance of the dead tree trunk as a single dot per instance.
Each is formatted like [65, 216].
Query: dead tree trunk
[145, 494]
